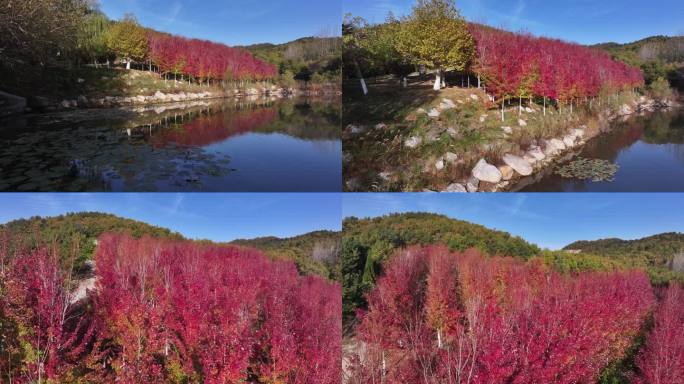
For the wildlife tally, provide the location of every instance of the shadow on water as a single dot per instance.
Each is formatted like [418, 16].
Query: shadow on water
[221, 145]
[649, 150]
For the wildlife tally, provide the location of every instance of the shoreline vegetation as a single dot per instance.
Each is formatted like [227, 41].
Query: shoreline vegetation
[439, 104]
[94, 62]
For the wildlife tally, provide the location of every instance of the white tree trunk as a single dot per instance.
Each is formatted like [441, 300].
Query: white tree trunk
[438, 82]
[128, 64]
[405, 82]
[364, 87]
[478, 82]
[443, 79]
[544, 105]
[503, 117]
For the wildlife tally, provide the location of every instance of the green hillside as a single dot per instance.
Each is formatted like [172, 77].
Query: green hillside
[319, 57]
[658, 56]
[75, 233]
[662, 252]
[314, 253]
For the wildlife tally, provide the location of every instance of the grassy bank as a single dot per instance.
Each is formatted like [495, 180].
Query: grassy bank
[392, 144]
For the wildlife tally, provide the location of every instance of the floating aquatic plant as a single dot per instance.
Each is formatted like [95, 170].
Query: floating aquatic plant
[589, 169]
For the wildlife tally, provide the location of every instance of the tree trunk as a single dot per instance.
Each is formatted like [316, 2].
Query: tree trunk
[468, 81]
[544, 105]
[519, 105]
[438, 81]
[128, 64]
[359, 74]
[404, 82]
[503, 117]
[478, 82]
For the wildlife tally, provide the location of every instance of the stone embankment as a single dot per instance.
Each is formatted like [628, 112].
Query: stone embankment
[160, 97]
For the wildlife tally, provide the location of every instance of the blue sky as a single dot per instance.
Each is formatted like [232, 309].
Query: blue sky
[233, 22]
[218, 217]
[550, 220]
[582, 21]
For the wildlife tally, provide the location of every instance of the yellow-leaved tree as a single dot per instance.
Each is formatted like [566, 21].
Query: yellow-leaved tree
[436, 36]
[128, 40]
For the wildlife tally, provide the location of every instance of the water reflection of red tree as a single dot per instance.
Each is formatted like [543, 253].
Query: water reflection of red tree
[211, 129]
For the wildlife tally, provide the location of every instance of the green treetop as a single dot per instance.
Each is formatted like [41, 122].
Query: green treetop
[435, 35]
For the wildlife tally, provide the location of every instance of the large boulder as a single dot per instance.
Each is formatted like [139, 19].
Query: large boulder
[536, 152]
[456, 188]
[484, 171]
[519, 164]
[473, 184]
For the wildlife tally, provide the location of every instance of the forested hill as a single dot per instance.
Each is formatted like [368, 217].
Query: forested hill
[317, 54]
[78, 231]
[658, 250]
[314, 253]
[658, 56]
[368, 243]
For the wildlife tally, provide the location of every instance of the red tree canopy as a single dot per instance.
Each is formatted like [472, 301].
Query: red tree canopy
[205, 59]
[514, 64]
[440, 317]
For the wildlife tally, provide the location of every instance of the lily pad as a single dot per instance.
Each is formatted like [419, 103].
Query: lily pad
[595, 170]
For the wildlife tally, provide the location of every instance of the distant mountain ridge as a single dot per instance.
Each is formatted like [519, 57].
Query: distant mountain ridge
[658, 56]
[661, 250]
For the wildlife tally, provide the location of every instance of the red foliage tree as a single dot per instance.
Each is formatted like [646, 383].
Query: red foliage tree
[438, 317]
[212, 314]
[661, 361]
[517, 64]
[205, 60]
[35, 298]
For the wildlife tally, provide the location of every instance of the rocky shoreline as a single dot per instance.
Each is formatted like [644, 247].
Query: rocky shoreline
[40, 104]
[517, 172]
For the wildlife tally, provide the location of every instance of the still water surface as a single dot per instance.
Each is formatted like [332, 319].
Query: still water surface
[649, 150]
[228, 145]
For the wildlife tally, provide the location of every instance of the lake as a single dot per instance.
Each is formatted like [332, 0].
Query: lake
[287, 145]
[649, 149]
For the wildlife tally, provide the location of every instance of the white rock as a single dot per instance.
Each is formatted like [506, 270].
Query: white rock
[452, 132]
[439, 164]
[385, 175]
[569, 141]
[413, 142]
[530, 159]
[451, 157]
[537, 153]
[483, 118]
[456, 188]
[625, 110]
[434, 113]
[355, 130]
[380, 126]
[65, 103]
[507, 130]
[519, 164]
[160, 95]
[473, 184]
[421, 111]
[82, 100]
[447, 104]
[140, 99]
[529, 110]
[579, 132]
[484, 171]
[474, 97]
[79, 80]
[522, 123]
